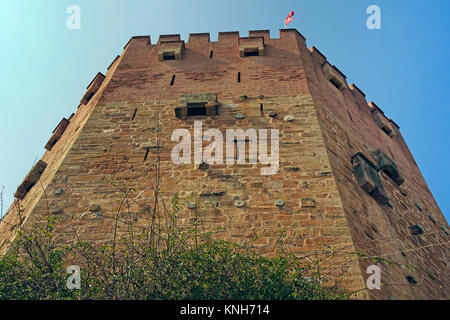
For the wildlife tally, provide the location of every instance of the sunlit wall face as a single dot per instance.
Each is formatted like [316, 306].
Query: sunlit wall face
[47, 65]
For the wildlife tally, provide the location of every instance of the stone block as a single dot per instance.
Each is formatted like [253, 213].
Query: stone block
[388, 166]
[30, 180]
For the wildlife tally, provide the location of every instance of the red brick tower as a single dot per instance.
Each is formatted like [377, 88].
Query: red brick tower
[346, 177]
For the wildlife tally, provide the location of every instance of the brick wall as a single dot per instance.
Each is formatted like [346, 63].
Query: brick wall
[121, 138]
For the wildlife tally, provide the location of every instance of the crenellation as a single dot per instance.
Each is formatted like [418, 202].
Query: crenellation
[169, 38]
[286, 31]
[319, 194]
[228, 39]
[92, 88]
[57, 133]
[260, 33]
[138, 39]
[199, 38]
[355, 89]
[321, 59]
[113, 62]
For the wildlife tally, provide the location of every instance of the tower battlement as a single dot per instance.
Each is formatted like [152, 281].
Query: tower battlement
[346, 177]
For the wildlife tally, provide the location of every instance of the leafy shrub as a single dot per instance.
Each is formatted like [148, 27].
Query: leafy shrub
[169, 263]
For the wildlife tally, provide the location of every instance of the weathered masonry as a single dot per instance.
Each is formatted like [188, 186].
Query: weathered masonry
[346, 177]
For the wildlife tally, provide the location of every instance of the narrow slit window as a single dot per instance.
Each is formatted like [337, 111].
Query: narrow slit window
[169, 56]
[134, 114]
[239, 77]
[146, 153]
[196, 109]
[172, 81]
[211, 54]
[349, 115]
[261, 107]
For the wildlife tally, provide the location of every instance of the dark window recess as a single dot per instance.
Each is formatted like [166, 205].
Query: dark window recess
[387, 130]
[445, 229]
[261, 107]
[193, 109]
[416, 230]
[251, 52]
[172, 81]
[367, 176]
[134, 114]
[419, 205]
[89, 97]
[169, 56]
[388, 166]
[197, 104]
[239, 77]
[92, 88]
[411, 280]
[57, 133]
[30, 180]
[382, 122]
[196, 109]
[211, 54]
[335, 83]
[432, 218]
[369, 235]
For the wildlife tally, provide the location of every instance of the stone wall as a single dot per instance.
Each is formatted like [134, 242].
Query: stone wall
[119, 141]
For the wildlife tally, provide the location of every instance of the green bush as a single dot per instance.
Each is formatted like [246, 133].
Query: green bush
[168, 263]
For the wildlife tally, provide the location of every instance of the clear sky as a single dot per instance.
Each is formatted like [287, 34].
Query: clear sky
[45, 67]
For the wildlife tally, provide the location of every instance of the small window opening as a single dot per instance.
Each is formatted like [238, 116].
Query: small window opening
[387, 131]
[89, 97]
[335, 83]
[134, 114]
[239, 77]
[52, 144]
[196, 109]
[251, 52]
[146, 153]
[169, 56]
[411, 280]
[28, 188]
[261, 107]
[416, 230]
[211, 54]
[172, 81]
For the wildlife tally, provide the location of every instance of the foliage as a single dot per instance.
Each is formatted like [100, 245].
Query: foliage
[162, 263]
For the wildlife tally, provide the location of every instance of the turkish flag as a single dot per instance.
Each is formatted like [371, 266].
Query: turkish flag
[289, 18]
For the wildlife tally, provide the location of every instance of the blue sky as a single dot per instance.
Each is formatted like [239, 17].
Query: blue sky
[45, 67]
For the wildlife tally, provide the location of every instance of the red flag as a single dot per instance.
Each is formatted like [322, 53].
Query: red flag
[289, 18]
